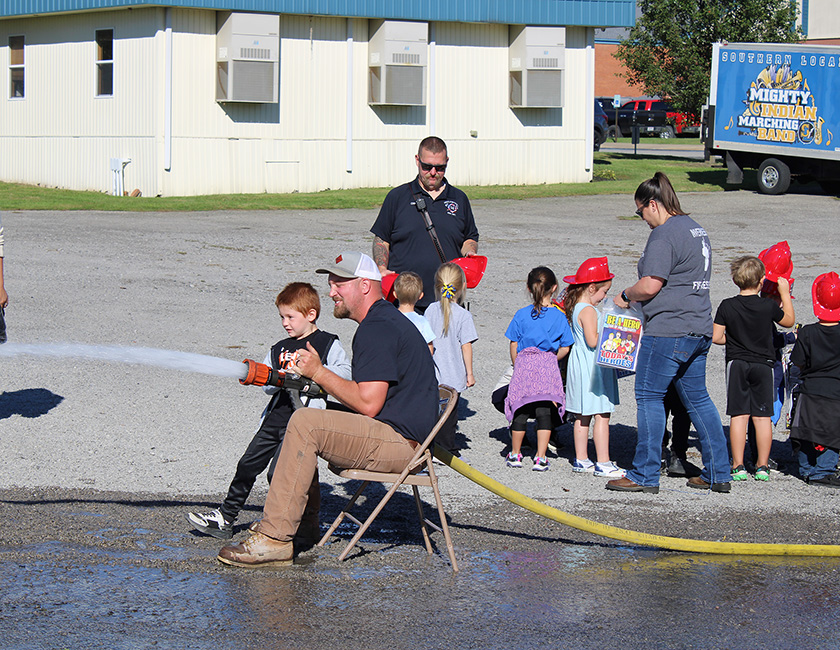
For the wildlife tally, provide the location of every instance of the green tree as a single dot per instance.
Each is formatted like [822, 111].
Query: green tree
[669, 51]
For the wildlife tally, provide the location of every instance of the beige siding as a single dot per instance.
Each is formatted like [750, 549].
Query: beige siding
[62, 135]
[823, 19]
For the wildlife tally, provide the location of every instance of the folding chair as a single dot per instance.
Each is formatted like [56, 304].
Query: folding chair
[420, 462]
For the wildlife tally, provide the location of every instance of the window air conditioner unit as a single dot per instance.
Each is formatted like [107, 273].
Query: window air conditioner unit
[537, 62]
[397, 60]
[247, 57]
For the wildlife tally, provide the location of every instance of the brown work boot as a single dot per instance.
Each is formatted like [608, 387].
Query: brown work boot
[258, 551]
[308, 533]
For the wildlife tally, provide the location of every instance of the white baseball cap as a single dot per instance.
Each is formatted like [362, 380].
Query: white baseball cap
[353, 265]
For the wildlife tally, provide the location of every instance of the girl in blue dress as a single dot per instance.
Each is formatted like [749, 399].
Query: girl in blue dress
[591, 390]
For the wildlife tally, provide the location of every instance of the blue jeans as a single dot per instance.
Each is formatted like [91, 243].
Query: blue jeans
[815, 464]
[682, 360]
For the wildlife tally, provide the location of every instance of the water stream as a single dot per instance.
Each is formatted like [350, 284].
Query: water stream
[173, 359]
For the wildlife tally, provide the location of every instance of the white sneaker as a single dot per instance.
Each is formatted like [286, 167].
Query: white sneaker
[211, 523]
[580, 466]
[540, 464]
[513, 460]
[609, 470]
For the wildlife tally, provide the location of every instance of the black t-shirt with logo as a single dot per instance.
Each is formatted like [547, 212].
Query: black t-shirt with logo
[411, 248]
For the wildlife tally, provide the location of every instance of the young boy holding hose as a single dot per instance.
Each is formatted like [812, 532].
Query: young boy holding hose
[299, 307]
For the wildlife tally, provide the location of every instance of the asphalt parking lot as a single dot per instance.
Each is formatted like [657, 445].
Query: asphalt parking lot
[100, 460]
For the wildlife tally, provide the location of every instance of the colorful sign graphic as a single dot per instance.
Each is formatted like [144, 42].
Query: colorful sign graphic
[618, 342]
[777, 98]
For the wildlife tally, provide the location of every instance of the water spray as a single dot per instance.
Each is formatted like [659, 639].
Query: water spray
[185, 361]
[248, 372]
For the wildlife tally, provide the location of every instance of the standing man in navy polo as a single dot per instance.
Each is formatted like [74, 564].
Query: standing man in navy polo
[401, 241]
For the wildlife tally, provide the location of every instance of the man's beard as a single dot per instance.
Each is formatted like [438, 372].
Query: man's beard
[340, 310]
[431, 185]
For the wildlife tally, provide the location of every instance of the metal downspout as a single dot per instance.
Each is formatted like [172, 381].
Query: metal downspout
[167, 93]
[431, 80]
[349, 127]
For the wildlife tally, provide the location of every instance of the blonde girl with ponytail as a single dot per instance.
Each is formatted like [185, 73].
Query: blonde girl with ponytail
[455, 333]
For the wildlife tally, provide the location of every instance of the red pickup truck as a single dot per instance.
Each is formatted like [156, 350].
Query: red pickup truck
[655, 117]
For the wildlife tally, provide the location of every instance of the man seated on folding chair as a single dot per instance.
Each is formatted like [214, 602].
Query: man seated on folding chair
[393, 392]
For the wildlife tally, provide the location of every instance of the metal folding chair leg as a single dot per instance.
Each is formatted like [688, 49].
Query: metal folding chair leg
[444, 527]
[345, 513]
[422, 460]
[423, 529]
[363, 527]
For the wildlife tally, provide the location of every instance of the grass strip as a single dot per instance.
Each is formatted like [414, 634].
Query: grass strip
[614, 173]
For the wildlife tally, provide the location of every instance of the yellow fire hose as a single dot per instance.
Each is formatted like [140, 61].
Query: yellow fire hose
[659, 541]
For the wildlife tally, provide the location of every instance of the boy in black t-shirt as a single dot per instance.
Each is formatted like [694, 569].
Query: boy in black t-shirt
[299, 307]
[744, 323]
[817, 355]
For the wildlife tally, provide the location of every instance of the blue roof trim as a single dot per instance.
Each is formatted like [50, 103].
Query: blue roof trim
[596, 13]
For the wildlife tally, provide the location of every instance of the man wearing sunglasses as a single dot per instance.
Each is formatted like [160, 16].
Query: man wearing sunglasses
[401, 240]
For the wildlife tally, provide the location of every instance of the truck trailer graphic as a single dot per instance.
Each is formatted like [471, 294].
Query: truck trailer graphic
[773, 107]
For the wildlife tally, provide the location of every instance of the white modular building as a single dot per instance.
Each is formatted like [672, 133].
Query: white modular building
[219, 97]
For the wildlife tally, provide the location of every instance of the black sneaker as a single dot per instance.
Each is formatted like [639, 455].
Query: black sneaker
[831, 481]
[211, 523]
[680, 467]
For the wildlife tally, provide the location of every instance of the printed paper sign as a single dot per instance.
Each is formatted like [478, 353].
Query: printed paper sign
[618, 343]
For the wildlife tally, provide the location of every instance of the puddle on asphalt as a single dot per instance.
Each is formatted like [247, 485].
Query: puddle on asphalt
[45, 605]
[561, 595]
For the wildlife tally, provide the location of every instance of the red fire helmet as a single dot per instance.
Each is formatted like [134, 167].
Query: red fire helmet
[595, 269]
[473, 267]
[777, 261]
[825, 293]
[388, 286]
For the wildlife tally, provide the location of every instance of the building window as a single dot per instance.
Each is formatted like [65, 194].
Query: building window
[16, 71]
[104, 62]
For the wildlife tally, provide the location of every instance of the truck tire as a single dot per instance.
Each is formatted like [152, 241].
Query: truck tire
[614, 132]
[773, 176]
[599, 138]
[667, 132]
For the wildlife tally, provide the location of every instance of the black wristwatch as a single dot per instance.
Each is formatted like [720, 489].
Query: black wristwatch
[624, 297]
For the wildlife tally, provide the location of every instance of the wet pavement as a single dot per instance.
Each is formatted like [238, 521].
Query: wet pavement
[123, 571]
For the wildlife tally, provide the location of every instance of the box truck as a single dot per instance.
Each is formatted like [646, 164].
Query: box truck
[775, 108]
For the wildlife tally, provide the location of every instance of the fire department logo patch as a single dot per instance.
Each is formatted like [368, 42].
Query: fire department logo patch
[451, 207]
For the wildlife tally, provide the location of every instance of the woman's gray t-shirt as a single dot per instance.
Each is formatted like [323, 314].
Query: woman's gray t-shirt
[678, 252]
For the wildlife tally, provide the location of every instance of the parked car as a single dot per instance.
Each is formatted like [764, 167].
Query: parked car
[609, 108]
[655, 117]
[606, 103]
[601, 126]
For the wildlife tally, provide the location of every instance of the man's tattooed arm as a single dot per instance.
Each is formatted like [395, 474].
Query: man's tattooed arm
[381, 252]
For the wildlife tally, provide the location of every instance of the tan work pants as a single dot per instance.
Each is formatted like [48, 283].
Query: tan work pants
[347, 440]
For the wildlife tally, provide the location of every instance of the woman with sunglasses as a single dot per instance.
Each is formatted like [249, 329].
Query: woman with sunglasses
[673, 291]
